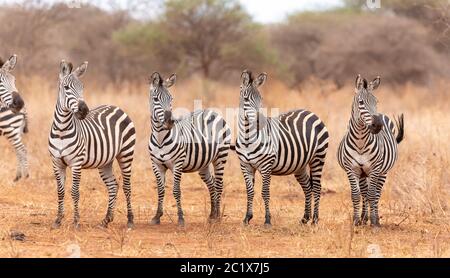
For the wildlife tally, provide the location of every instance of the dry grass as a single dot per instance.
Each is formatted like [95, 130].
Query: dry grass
[414, 205]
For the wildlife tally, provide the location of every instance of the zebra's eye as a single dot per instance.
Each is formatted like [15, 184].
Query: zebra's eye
[66, 88]
[361, 102]
[246, 99]
[155, 99]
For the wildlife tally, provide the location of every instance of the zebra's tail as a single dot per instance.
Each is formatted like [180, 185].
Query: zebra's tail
[401, 129]
[25, 121]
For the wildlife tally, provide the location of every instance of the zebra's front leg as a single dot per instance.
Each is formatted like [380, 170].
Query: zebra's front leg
[21, 157]
[160, 174]
[76, 177]
[59, 170]
[208, 179]
[249, 177]
[376, 182]
[356, 197]
[304, 180]
[111, 184]
[365, 209]
[266, 176]
[177, 193]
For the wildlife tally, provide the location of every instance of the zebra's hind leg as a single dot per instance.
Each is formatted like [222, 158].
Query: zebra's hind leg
[208, 179]
[365, 209]
[249, 177]
[125, 167]
[160, 174]
[304, 180]
[219, 167]
[376, 182]
[59, 170]
[111, 184]
[316, 168]
[356, 197]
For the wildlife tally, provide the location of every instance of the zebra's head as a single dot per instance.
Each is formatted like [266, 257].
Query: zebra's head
[9, 96]
[71, 89]
[250, 99]
[161, 100]
[365, 104]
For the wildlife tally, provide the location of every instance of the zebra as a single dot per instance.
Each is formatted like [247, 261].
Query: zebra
[190, 144]
[87, 139]
[284, 145]
[13, 115]
[368, 150]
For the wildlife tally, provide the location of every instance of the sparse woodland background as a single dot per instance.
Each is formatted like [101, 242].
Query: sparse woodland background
[404, 41]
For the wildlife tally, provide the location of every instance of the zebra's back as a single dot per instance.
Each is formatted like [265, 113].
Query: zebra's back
[207, 136]
[299, 136]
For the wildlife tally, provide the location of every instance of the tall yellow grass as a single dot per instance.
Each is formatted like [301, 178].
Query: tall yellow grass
[414, 205]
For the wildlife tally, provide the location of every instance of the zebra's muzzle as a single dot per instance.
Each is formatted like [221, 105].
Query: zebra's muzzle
[17, 102]
[83, 110]
[377, 124]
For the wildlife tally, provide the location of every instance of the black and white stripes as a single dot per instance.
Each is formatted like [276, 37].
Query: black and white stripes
[368, 151]
[284, 145]
[191, 144]
[89, 139]
[13, 116]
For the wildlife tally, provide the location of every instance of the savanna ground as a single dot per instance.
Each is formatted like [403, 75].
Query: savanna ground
[414, 204]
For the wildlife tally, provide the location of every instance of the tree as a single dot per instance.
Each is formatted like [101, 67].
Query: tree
[206, 36]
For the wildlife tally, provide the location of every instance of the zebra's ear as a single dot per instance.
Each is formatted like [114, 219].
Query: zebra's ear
[10, 64]
[81, 70]
[360, 83]
[260, 80]
[170, 81]
[375, 84]
[246, 78]
[155, 79]
[65, 69]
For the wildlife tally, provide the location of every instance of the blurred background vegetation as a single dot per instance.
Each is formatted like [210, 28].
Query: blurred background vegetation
[404, 41]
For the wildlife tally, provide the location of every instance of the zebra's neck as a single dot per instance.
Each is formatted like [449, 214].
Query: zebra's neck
[161, 134]
[358, 131]
[63, 119]
[249, 133]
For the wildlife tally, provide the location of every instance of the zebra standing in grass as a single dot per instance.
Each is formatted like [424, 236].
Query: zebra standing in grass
[283, 145]
[13, 117]
[191, 144]
[368, 150]
[83, 139]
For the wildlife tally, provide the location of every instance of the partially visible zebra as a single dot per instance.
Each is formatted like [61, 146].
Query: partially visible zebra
[83, 139]
[285, 145]
[368, 150]
[13, 116]
[191, 144]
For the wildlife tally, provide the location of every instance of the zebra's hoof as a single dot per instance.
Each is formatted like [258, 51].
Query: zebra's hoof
[130, 225]
[17, 178]
[267, 226]
[181, 223]
[155, 221]
[56, 225]
[76, 226]
[304, 221]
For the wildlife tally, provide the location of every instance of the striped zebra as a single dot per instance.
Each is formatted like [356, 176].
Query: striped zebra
[368, 150]
[291, 143]
[13, 116]
[190, 144]
[87, 139]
